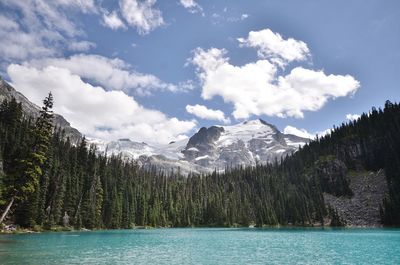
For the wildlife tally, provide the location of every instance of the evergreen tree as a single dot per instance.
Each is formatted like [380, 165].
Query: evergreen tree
[26, 185]
[46, 178]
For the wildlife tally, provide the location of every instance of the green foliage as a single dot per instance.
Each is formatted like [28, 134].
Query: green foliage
[51, 177]
[25, 155]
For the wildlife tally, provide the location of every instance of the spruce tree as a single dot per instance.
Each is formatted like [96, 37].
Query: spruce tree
[30, 171]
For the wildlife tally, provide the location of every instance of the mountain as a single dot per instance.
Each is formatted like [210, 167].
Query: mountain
[32, 110]
[348, 177]
[247, 143]
[214, 148]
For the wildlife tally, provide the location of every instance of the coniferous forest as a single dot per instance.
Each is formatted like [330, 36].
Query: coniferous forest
[45, 178]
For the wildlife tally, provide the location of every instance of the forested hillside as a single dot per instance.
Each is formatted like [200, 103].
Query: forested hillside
[47, 181]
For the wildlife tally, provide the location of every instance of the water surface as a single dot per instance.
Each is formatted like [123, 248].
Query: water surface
[205, 246]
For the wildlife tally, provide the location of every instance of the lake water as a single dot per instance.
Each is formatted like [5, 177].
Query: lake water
[205, 246]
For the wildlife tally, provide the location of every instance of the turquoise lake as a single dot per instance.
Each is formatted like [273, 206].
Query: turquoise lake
[205, 246]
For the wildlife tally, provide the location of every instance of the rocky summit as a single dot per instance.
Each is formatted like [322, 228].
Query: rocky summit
[213, 148]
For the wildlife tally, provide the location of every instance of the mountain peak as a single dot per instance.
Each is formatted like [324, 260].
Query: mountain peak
[256, 122]
[259, 123]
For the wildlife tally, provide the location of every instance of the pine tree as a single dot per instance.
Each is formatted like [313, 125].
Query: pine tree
[30, 170]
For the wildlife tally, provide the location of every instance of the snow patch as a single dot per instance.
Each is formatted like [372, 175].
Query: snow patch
[201, 157]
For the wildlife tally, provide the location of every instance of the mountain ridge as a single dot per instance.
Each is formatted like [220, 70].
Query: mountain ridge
[32, 110]
[214, 148]
[347, 177]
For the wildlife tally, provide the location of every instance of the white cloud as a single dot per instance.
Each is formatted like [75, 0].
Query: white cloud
[192, 6]
[94, 111]
[7, 23]
[113, 21]
[141, 14]
[81, 46]
[272, 46]
[304, 133]
[17, 44]
[218, 18]
[37, 29]
[244, 16]
[310, 90]
[256, 88]
[113, 74]
[186, 86]
[188, 3]
[298, 132]
[41, 15]
[323, 133]
[206, 113]
[352, 117]
[86, 6]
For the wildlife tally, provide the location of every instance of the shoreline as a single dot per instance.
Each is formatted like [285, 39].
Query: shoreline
[70, 229]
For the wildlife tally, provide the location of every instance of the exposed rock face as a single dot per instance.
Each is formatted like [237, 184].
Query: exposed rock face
[213, 148]
[202, 142]
[363, 208]
[247, 143]
[30, 109]
[351, 152]
[205, 137]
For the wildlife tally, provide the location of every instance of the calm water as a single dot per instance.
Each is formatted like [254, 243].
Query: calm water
[205, 246]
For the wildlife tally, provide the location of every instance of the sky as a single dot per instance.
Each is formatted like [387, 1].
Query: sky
[157, 71]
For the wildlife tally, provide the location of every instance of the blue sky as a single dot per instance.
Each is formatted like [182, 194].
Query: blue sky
[157, 71]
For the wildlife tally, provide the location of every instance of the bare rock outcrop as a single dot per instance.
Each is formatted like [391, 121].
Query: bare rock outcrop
[363, 208]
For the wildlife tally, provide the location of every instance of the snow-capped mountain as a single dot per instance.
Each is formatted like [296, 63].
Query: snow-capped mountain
[213, 148]
[216, 147]
[246, 143]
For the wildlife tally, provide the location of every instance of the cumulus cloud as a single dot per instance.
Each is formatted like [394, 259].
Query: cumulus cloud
[258, 88]
[273, 46]
[113, 21]
[113, 74]
[141, 15]
[206, 113]
[352, 117]
[298, 132]
[310, 90]
[304, 133]
[93, 110]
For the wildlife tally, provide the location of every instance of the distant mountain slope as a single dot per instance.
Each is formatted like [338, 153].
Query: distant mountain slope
[214, 148]
[246, 143]
[348, 177]
[30, 109]
[217, 147]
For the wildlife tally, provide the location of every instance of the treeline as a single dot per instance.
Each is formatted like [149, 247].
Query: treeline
[46, 178]
[371, 142]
